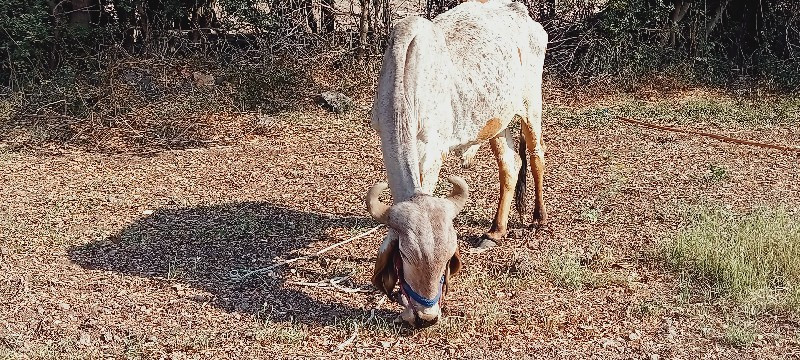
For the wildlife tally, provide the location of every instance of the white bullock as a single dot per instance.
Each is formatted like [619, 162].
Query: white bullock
[446, 86]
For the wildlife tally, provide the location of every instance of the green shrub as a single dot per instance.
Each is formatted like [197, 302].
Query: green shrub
[24, 39]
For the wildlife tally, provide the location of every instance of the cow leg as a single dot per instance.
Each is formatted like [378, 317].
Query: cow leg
[508, 163]
[532, 132]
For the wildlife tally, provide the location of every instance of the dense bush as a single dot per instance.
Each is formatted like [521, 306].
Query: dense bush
[617, 41]
[711, 41]
[111, 74]
[715, 41]
[25, 38]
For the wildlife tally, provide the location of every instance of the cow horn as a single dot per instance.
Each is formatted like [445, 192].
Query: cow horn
[378, 210]
[460, 192]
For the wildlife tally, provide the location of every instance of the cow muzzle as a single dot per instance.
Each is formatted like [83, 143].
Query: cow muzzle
[419, 319]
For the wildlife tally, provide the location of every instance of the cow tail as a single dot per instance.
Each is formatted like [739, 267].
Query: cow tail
[522, 179]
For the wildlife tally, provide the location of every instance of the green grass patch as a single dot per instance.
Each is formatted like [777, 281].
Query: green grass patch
[740, 335]
[717, 109]
[590, 214]
[589, 268]
[270, 332]
[481, 318]
[492, 280]
[725, 110]
[569, 117]
[751, 258]
[565, 270]
[716, 173]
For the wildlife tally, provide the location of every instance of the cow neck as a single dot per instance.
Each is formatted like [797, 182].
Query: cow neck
[401, 158]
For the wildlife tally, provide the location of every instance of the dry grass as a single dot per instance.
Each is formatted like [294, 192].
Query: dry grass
[594, 268]
[279, 332]
[751, 258]
[150, 105]
[130, 256]
[757, 110]
[706, 108]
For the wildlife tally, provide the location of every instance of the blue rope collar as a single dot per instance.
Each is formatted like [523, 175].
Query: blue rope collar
[421, 299]
[406, 289]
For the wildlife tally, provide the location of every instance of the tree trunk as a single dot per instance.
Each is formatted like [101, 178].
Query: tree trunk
[195, 25]
[679, 11]
[144, 21]
[363, 29]
[126, 18]
[314, 21]
[57, 11]
[551, 9]
[81, 14]
[713, 21]
[382, 21]
[328, 16]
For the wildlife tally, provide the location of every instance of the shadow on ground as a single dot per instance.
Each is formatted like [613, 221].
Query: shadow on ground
[202, 246]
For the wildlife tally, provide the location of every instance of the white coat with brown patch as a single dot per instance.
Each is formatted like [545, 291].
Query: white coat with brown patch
[452, 85]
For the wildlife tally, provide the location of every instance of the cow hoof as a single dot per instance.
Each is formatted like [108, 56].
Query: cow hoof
[537, 224]
[539, 227]
[540, 215]
[486, 243]
[539, 219]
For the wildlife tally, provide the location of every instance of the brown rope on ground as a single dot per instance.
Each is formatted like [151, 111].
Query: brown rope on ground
[713, 136]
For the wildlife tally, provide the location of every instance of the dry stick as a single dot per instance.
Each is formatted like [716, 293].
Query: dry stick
[349, 340]
[320, 284]
[713, 136]
[48, 105]
[372, 312]
[304, 257]
[334, 283]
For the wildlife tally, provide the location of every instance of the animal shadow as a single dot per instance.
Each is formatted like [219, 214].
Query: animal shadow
[202, 247]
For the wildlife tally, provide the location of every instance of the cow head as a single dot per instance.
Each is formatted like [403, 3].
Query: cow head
[420, 251]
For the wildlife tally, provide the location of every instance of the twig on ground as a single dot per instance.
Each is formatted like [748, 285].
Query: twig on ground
[237, 277]
[334, 283]
[476, 250]
[340, 152]
[310, 284]
[372, 312]
[723, 138]
[48, 105]
[349, 340]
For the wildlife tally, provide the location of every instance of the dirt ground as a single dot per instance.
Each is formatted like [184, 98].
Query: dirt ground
[137, 255]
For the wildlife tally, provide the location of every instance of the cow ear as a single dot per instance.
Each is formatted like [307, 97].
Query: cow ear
[455, 262]
[384, 277]
[453, 267]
